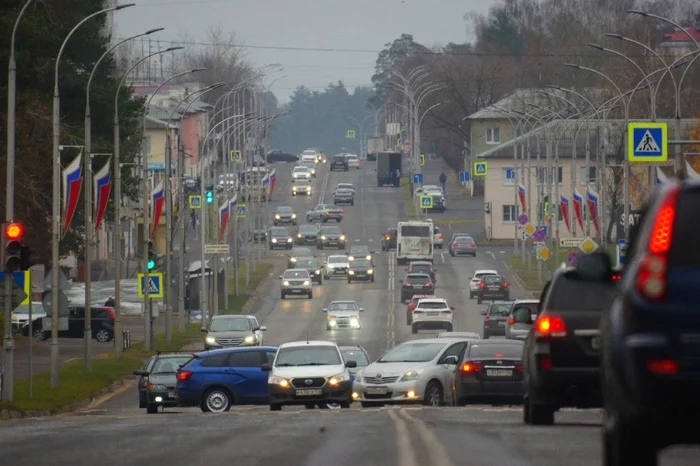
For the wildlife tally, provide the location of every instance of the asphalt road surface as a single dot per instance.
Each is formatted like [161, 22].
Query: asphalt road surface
[116, 432]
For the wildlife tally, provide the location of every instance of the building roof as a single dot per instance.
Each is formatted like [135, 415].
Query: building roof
[682, 35]
[156, 123]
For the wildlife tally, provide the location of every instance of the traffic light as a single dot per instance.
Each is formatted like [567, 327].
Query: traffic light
[14, 232]
[152, 257]
[210, 197]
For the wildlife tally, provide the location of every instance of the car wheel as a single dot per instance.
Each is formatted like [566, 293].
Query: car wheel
[485, 334]
[478, 300]
[433, 394]
[309, 406]
[311, 296]
[414, 329]
[44, 336]
[103, 336]
[452, 253]
[217, 400]
[282, 296]
[344, 404]
[541, 415]
[320, 281]
[152, 408]
[527, 418]
[275, 407]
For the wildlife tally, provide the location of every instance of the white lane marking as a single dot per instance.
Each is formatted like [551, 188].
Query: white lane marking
[493, 256]
[442, 257]
[390, 331]
[404, 446]
[432, 446]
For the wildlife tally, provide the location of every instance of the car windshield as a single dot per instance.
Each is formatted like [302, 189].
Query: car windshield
[279, 231]
[339, 158]
[284, 210]
[417, 298]
[413, 352]
[355, 355]
[490, 351]
[24, 309]
[432, 305]
[301, 168]
[308, 355]
[307, 264]
[295, 274]
[169, 365]
[302, 252]
[343, 306]
[481, 275]
[331, 231]
[308, 165]
[308, 229]
[359, 250]
[360, 263]
[230, 324]
[343, 191]
[502, 309]
[337, 260]
[464, 239]
[568, 294]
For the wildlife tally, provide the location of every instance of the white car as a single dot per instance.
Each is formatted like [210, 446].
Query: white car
[431, 313]
[301, 187]
[353, 161]
[476, 279]
[336, 266]
[349, 186]
[414, 371]
[20, 316]
[343, 314]
[301, 172]
[309, 155]
[428, 188]
[469, 335]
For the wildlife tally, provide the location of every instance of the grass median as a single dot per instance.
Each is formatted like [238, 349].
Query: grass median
[408, 206]
[245, 291]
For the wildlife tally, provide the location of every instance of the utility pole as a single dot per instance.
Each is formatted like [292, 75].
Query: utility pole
[183, 225]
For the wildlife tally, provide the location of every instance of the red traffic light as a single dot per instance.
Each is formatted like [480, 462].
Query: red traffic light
[14, 231]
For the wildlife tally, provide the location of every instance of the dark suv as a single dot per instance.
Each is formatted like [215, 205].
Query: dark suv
[561, 357]
[101, 324]
[650, 338]
[493, 287]
[339, 162]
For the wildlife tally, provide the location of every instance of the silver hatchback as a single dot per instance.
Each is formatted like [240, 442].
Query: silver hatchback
[522, 313]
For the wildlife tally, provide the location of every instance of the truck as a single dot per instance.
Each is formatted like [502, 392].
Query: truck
[389, 168]
[373, 146]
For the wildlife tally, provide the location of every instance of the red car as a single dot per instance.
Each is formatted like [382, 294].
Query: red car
[412, 305]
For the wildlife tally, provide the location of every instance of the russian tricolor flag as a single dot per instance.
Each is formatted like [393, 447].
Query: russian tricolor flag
[592, 201]
[72, 184]
[103, 186]
[565, 211]
[521, 196]
[266, 185]
[233, 207]
[157, 205]
[273, 180]
[223, 218]
[578, 207]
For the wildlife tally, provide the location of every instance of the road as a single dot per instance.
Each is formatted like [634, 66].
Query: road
[116, 432]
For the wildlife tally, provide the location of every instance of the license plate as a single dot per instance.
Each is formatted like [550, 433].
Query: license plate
[432, 313]
[332, 242]
[417, 286]
[493, 288]
[296, 291]
[499, 373]
[172, 395]
[377, 390]
[309, 392]
[595, 343]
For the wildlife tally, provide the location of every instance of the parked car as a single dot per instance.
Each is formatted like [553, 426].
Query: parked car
[275, 156]
[101, 323]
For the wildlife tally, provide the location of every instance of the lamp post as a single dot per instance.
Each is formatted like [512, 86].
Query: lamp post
[87, 193]
[147, 314]
[118, 200]
[57, 195]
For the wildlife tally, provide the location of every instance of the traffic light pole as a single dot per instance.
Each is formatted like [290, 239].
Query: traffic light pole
[146, 235]
[8, 378]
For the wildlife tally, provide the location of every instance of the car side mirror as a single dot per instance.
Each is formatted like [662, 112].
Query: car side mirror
[141, 373]
[263, 329]
[451, 360]
[267, 367]
[280, 277]
[362, 309]
[324, 310]
[483, 313]
[255, 329]
[351, 364]
[204, 330]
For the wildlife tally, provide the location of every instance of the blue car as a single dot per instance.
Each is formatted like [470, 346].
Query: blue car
[218, 379]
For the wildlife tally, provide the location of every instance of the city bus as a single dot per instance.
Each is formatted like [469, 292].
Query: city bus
[414, 241]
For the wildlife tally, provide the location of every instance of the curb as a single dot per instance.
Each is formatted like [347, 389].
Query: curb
[253, 297]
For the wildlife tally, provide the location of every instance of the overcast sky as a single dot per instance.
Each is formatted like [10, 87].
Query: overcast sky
[269, 28]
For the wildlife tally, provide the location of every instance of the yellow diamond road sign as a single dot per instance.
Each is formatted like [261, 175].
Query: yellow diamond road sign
[543, 253]
[588, 245]
[529, 229]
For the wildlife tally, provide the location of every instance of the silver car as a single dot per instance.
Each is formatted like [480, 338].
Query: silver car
[522, 313]
[232, 330]
[336, 266]
[462, 245]
[476, 280]
[296, 282]
[343, 314]
[417, 371]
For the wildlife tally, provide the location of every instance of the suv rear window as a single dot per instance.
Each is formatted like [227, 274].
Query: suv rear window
[493, 279]
[509, 351]
[499, 309]
[569, 294]
[432, 305]
[686, 230]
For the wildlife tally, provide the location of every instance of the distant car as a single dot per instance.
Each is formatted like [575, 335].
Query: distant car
[438, 238]
[231, 330]
[301, 187]
[462, 245]
[493, 287]
[296, 282]
[476, 280]
[311, 165]
[300, 172]
[423, 267]
[101, 322]
[343, 314]
[495, 318]
[343, 196]
[361, 251]
[20, 316]
[412, 305]
[349, 186]
[324, 213]
[275, 156]
[353, 161]
[360, 270]
[284, 215]
[336, 265]
[389, 239]
[339, 162]
[439, 201]
[355, 353]
[432, 313]
[331, 237]
[312, 265]
[470, 335]
[309, 155]
[157, 381]
[522, 314]
[307, 235]
[279, 237]
[416, 283]
[298, 252]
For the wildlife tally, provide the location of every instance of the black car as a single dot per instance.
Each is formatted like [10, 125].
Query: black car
[157, 381]
[360, 270]
[495, 318]
[389, 239]
[490, 371]
[339, 162]
[275, 156]
[493, 287]
[650, 336]
[331, 236]
[562, 349]
[284, 215]
[279, 238]
[101, 323]
[297, 253]
[416, 283]
[313, 266]
[307, 235]
[343, 196]
[259, 235]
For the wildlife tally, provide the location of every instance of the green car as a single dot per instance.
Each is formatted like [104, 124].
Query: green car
[158, 379]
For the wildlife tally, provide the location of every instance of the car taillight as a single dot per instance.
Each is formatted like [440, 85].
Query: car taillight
[519, 367]
[447, 311]
[342, 212]
[427, 285]
[482, 285]
[651, 278]
[406, 284]
[616, 277]
[455, 245]
[440, 236]
[471, 367]
[472, 245]
[417, 311]
[550, 326]
[511, 320]
[184, 375]
[505, 284]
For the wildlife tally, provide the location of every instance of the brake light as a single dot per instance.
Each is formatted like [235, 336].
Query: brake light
[616, 277]
[342, 212]
[505, 284]
[663, 366]
[511, 320]
[417, 311]
[482, 284]
[184, 375]
[455, 245]
[427, 285]
[406, 284]
[519, 367]
[550, 326]
[471, 367]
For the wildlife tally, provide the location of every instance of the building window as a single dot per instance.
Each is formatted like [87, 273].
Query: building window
[510, 213]
[591, 175]
[493, 135]
[509, 176]
[542, 177]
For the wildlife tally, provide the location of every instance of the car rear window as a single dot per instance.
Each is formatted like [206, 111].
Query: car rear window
[686, 230]
[510, 351]
[482, 275]
[493, 279]
[432, 305]
[502, 309]
[569, 294]
[422, 268]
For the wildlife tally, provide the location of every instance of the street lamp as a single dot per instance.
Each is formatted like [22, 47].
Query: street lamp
[118, 200]
[87, 193]
[56, 214]
[148, 338]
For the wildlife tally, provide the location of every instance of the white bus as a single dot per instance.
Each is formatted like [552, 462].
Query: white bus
[414, 241]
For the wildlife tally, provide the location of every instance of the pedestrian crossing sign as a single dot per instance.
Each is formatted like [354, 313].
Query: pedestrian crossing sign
[422, 159]
[235, 155]
[195, 201]
[426, 202]
[154, 285]
[481, 168]
[647, 142]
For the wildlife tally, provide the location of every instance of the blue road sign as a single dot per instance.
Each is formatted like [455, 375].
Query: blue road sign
[464, 177]
[418, 178]
[20, 279]
[154, 285]
[647, 142]
[573, 258]
[195, 201]
[522, 219]
[621, 251]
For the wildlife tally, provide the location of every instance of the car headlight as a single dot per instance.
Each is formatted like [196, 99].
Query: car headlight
[307, 283]
[323, 237]
[351, 272]
[351, 258]
[292, 259]
[274, 240]
[411, 375]
[369, 258]
[298, 235]
[294, 189]
[337, 379]
[249, 339]
[370, 271]
[354, 322]
[285, 283]
[308, 190]
[157, 388]
[275, 380]
[277, 217]
[342, 237]
[318, 272]
[289, 240]
[294, 215]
